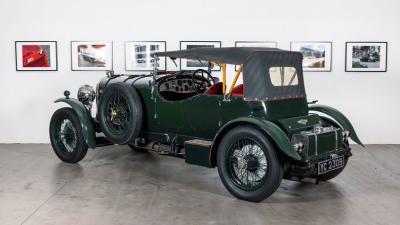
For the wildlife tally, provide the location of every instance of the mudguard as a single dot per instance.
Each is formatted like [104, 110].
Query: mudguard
[339, 118]
[85, 119]
[273, 131]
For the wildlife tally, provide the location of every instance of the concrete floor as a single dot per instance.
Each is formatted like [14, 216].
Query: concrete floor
[114, 185]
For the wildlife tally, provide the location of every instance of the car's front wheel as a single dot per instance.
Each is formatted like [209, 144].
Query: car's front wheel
[248, 165]
[66, 136]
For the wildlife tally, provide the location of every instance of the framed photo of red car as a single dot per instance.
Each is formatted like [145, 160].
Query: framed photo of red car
[36, 55]
[91, 55]
[191, 64]
[139, 55]
[317, 55]
[366, 56]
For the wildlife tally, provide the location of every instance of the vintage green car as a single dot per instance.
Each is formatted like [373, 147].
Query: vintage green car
[256, 133]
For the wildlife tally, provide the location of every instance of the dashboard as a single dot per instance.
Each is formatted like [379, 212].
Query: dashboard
[177, 85]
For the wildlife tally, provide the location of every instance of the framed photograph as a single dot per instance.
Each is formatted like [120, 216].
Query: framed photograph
[139, 55]
[189, 64]
[263, 44]
[317, 55]
[91, 55]
[366, 56]
[36, 55]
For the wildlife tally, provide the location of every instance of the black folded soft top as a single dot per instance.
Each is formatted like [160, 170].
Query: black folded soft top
[228, 55]
[256, 63]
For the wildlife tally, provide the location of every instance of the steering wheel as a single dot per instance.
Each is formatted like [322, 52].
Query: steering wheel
[200, 82]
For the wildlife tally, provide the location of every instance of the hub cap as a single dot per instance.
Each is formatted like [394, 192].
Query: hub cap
[247, 164]
[68, 135]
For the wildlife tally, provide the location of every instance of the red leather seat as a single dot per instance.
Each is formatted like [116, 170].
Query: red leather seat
[238, 90]
[215, 89]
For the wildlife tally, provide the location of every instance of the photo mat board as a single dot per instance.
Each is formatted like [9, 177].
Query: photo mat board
[317, 55]
[366, 57]
[36, 56]
[91, 55]
[261, 44]
[189, 64]
[139, 55]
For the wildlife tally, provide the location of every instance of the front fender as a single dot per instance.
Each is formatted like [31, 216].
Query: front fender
[339, 117]
[85, 119]
[273, 131]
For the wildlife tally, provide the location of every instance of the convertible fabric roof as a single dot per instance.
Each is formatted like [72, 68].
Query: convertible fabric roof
[256, 69]
[230, 55]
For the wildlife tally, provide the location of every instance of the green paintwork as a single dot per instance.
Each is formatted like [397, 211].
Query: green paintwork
[206, 116]
[85, 119]
[209, 117]
[271, 129]
[293, 125]
[340, 118]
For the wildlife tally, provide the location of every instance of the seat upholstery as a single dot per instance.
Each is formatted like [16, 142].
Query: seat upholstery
[238, 90]
[215, 89]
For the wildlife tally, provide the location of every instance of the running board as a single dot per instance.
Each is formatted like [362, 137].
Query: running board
[198, 152]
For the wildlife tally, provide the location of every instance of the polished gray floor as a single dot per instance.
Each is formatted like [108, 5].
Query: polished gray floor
[114, 185]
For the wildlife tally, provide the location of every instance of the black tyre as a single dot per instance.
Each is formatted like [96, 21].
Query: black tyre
[332, 174]
[248, 165]
[120, 113]
[66, 136]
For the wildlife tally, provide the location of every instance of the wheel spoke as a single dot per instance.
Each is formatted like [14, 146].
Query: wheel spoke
[247, 163]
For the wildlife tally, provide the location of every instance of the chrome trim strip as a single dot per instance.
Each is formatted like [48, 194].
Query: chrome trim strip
[336, 139]
[316, 144]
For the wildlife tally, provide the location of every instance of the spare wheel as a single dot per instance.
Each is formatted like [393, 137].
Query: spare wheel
[120, 113]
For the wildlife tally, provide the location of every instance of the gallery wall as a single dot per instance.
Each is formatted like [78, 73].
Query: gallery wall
[370, 100]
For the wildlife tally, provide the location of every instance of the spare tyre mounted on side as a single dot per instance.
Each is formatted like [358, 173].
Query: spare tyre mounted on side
[120, 113]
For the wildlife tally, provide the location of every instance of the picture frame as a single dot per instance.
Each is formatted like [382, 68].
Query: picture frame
[264, 44]
[188, 64]
[317, 55]
[139, 55]
[91, 55]
[36, 56]
[366, 56]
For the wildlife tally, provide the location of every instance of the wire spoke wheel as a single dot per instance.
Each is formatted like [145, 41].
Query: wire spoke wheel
[246, 164]
[66, 136]
[117, 113]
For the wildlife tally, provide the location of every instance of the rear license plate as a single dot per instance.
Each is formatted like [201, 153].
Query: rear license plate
[330, 164]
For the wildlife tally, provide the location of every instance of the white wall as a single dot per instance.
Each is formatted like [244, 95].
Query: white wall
[370, 100]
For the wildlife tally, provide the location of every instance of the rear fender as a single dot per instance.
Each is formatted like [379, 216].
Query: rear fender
[85, 119]
[339, 118]
[270, 129]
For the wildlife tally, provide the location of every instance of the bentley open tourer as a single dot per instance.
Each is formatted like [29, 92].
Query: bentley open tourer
[256, 133]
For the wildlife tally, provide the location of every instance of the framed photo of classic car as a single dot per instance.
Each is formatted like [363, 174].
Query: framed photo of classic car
[366, 56]
[36, 55]
[262, 44]
[190, 64]
[317, 55]
[139, 55]
[91, 55]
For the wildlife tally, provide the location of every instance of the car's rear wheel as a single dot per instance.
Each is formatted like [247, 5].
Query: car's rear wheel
[66, 136]
[120, 113]
[248, 165]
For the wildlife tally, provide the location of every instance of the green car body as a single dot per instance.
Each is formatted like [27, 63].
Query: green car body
[208, 117]
[302, 135]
